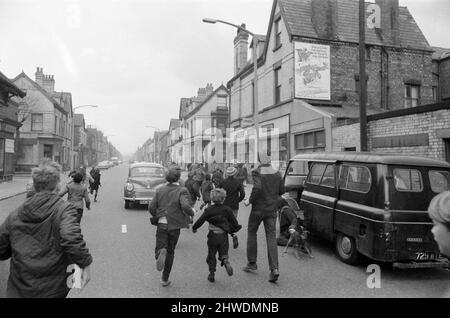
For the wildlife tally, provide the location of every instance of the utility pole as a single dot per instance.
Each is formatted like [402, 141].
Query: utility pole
[362, 75]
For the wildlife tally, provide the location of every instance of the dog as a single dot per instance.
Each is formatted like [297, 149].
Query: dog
[299, 241]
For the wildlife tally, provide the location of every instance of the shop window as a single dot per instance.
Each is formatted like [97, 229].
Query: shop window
[312, 142]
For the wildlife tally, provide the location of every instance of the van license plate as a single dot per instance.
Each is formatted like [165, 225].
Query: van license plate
[424, 256]
[144, 202]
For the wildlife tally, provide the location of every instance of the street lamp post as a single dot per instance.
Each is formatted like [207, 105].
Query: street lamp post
[255, 76]
[72, 164]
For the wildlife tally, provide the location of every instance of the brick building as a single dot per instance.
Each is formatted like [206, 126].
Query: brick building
[441, 74]
[308, 71]
[45, 132]
[421, 131]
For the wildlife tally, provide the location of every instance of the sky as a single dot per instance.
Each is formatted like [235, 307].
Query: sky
[135, 59]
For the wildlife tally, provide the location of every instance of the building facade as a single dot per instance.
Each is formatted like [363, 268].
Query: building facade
[308, 72]
[45, 130]
[200, 118]
[9, 126]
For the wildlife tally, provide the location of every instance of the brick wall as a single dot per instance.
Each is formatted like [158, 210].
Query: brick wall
[444, 84]
[346, 136]
[428, 126]
[402, 65]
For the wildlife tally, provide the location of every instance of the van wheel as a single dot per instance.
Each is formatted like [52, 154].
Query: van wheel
[127, 205]
[346, 249]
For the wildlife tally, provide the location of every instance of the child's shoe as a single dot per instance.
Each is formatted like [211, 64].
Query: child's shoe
[211, 277]
[228, 267]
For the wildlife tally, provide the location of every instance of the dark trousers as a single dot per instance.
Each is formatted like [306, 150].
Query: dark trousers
[269, 220]
[167, 239]
[217, 243]
[80, 215]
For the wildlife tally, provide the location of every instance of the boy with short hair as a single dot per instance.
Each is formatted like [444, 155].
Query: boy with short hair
[221, 223]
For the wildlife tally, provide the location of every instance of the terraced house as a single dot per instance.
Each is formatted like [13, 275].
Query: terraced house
[46, 116]
[308, 72]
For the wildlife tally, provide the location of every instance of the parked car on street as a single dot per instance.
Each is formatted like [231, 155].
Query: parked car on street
[143, 179]
[103, 165]
[371, 204]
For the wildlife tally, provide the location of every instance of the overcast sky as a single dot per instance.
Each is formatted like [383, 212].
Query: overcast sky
[136, 59]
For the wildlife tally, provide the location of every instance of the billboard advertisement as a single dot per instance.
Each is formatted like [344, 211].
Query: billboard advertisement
[312, 71]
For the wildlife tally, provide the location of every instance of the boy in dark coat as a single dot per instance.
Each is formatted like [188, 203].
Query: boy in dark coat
[205, 190]
[221, 223]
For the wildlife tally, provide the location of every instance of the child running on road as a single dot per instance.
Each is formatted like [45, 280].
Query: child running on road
[221, 223]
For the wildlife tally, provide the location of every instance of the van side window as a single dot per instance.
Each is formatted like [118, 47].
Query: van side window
[439, 181]
[298, 168]
[408, 180]
[316, 174]
[328, 179]
[355, 178]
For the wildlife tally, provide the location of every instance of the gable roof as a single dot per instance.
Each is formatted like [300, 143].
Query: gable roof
[64, 99]
[42, 90]
[175, 123]
[197, 108]
[10, 87]
[297, 17]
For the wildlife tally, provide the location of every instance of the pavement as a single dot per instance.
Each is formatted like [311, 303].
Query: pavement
[18, 186]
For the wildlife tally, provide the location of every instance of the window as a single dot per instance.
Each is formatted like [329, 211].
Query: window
[147, 172]
[439, 181]
[37, 122]
[298, 168]
[277, 33]
[412, 95]
[221, 102]
[435, 93]
[277, 85]
[253, 97]
[313, 141]
[328, 179]
[317, 171]
[56, 124]
[355, 178]
[408, 180]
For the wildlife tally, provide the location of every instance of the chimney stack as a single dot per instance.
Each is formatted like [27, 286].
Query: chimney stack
[240, 50]
[390, 13]
[47, 82]
[324, 17]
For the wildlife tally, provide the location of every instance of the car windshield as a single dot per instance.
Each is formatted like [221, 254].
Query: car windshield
[147, 172]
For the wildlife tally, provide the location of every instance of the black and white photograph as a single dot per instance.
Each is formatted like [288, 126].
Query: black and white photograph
[247, 151]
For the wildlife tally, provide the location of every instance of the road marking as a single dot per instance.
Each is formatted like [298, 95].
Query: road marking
[124, 228]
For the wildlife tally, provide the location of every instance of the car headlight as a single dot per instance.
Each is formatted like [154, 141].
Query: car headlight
[129, 187]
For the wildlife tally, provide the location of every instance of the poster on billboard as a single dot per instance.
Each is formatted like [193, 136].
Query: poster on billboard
[312, 71]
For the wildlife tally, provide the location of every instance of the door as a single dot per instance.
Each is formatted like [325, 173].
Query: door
[319, 198]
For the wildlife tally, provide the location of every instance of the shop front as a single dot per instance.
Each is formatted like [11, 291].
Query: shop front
[7, 150]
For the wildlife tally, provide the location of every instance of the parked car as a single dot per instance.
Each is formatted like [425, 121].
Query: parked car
[143, 180]
[103, 165]
[371, 204]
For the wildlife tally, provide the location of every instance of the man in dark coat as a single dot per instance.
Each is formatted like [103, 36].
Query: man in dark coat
[235, 190]
[171, 210]
[43, 238]
[266, 193]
